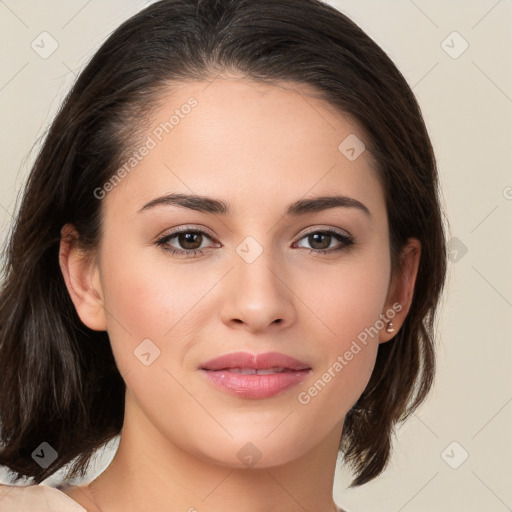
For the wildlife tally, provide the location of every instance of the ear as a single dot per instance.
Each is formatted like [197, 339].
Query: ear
[81, 275]
[401, 288]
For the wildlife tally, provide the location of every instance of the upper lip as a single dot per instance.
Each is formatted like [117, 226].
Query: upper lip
[254, 362]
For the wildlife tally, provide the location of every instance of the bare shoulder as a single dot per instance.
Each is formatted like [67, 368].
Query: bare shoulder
[40, 497]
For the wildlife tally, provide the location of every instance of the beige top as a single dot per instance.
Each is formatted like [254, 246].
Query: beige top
[40, 497]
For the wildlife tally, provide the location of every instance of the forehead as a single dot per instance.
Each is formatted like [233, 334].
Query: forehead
[257, 144]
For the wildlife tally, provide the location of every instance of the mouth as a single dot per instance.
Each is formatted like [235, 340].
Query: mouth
[254, 375]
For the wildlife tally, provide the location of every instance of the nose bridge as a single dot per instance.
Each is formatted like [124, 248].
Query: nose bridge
[256, 266]
[258, 295]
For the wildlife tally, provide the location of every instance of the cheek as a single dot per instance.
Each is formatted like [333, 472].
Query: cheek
[347, 304]
[345, 298]
[157, 310]
[149, 292]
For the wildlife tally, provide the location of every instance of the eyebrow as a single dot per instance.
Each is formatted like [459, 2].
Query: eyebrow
[216, 206]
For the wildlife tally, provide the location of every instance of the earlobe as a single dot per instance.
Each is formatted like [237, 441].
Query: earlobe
[81, 276]
[401, 289]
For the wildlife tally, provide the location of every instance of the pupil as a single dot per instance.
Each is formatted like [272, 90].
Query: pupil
[320, 235]
[188, 238]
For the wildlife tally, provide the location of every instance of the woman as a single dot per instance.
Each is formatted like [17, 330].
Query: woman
[229, 252]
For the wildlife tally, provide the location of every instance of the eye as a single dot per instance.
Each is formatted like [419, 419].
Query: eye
[190, 239]
[320, 241]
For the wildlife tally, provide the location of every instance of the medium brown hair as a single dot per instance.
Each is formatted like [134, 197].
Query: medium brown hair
[59, 380]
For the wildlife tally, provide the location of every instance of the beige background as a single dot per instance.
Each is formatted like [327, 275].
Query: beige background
[467, 104]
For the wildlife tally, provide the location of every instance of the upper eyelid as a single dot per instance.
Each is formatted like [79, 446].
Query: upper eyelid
[321, 229]
[186, 229]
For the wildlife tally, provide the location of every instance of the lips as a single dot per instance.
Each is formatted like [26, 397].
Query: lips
[243, 362]
[254, 375]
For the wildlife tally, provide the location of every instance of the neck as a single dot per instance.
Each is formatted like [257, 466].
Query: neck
[151, 473]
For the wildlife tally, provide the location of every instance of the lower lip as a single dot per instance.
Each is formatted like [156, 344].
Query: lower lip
[254, 386]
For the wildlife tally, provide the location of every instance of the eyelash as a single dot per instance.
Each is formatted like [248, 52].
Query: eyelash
[347, 241]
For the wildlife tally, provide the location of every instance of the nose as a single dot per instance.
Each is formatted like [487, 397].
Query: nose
[258, 295]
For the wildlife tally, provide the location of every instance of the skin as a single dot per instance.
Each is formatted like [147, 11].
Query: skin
[259, 148]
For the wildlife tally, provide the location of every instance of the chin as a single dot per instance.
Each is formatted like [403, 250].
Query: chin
[253, 452]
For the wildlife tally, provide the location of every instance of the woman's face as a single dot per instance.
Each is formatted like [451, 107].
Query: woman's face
[262, 279]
